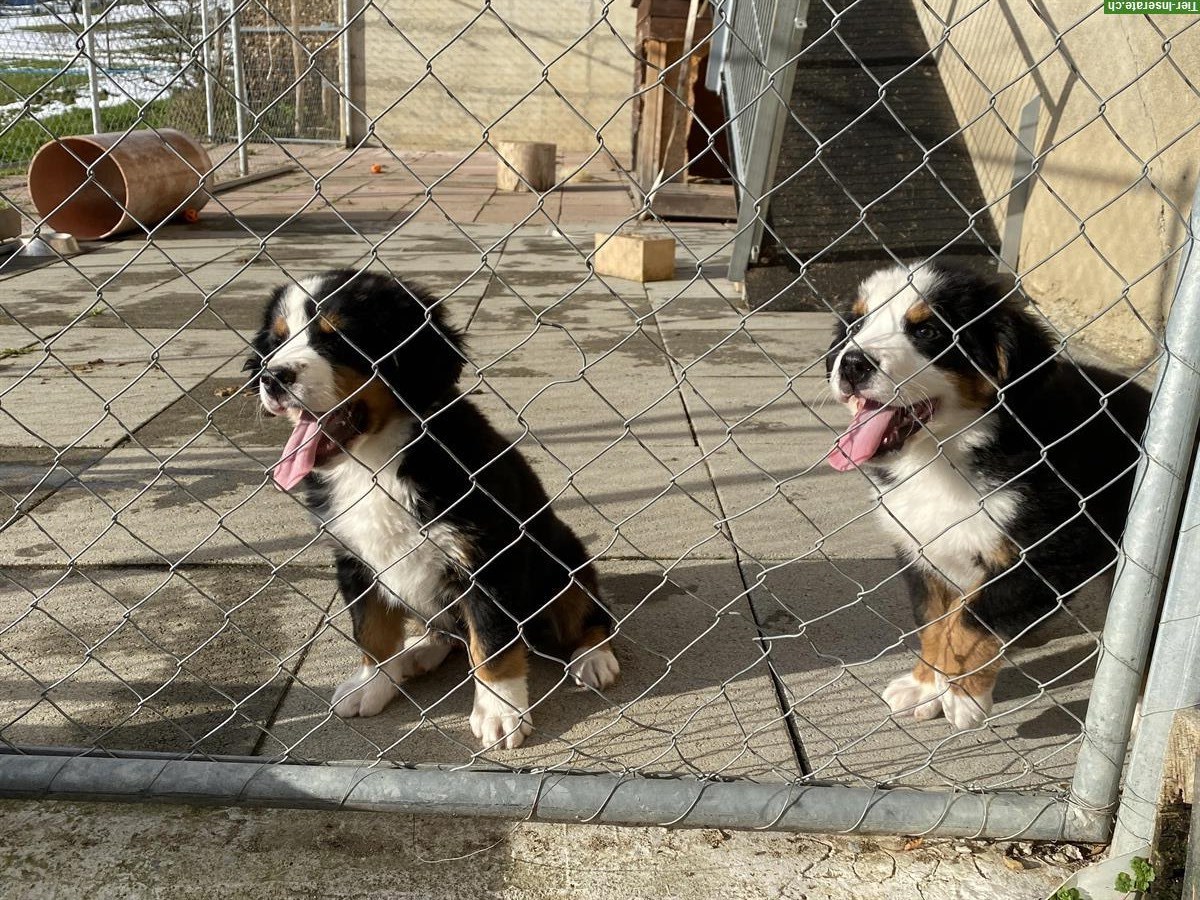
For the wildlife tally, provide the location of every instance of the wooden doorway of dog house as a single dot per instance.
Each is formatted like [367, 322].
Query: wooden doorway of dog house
[680, 149]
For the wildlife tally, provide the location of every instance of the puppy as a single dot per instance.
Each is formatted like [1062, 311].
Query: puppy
[443, 532]
[1004, 471]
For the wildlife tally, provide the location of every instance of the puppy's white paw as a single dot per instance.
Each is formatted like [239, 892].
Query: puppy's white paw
[964, 711]
[906, 696]
[365, 693]
[594, 667]
[500, 717]
[420, 655]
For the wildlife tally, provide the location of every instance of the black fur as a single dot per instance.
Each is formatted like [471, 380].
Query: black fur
[466, 474]
[1066, 437]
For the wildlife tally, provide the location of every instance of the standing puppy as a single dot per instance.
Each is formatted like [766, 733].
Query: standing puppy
[444, 533]
[1004, 472]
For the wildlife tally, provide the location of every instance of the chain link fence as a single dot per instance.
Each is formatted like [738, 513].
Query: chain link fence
[170, 622]
[72, 68]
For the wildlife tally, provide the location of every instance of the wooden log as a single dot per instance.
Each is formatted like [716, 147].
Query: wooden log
[534, 165]
[634, 256]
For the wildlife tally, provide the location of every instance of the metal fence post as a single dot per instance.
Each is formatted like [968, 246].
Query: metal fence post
[1173, 684]
[1146, 549]
[759, 110]
[89, 44]
[239, 89]
[206, 65]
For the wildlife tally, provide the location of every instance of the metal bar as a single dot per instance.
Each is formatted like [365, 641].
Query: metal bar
[253, 178]
[1146, 549]
[1173, 684]
[757, 169]
[210, 116]
[595, 799]
[89, 44]
[239, 90]
[1022, 185]
[787, 78]
[344, 74]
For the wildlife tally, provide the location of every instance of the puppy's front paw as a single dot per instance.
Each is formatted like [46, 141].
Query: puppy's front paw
[366, 693]
[965, 711]
[500, 717]
[501, 731]
[594, 667]
[907, 696]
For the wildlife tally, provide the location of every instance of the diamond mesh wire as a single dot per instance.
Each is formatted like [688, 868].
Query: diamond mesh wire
[160, 594]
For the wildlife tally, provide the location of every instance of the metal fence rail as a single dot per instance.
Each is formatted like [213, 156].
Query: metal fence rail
[171, 627]
[759, 42]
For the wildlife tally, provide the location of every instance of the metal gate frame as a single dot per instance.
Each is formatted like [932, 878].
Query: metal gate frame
[755, 49]
[1086, 814]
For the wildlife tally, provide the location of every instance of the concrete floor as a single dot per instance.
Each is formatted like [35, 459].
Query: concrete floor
[159, 593]
[50, 851]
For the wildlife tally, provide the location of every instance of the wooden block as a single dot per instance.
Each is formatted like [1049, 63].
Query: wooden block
[1179, 762]
[635, 256]
[534, 164]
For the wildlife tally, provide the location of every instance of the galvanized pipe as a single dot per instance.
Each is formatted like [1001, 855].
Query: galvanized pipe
[344, 65]
[1146, 549]
[89, 45]
[239, 90]
[1173, 684]
[206, 63]
[594, 799]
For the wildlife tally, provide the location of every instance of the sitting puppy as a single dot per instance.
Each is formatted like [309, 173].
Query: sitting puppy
[1004, 471]
[444, 533]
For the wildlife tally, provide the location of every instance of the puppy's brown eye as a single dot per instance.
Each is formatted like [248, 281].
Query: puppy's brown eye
[926, 331]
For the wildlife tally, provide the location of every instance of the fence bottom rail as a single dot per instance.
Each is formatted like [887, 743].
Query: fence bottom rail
[551, 797]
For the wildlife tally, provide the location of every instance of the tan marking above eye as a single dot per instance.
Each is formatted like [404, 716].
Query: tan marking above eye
[859, 308]
[918, 312]
[329, 323]
[279, 327]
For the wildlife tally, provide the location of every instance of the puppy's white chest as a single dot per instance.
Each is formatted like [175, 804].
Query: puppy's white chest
[936, 515]
[376, 519]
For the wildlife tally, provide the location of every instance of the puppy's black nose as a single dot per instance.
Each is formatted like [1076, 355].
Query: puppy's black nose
[857, 368]
[281, 376]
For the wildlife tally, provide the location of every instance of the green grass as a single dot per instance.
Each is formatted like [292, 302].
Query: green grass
[19, 143]
[21, 78]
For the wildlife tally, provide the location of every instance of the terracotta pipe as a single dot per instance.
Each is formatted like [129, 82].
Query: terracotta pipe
[143, 180]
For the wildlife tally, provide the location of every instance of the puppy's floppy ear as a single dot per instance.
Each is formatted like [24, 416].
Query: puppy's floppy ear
[1022, 342]
[424, 368]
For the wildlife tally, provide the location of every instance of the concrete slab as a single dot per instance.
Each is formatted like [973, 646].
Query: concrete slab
[783, 505]
[695, 695]
[840, 630]
[579, 411]
[90, 387]
[764, 409]
[151, 660]
[156, 508]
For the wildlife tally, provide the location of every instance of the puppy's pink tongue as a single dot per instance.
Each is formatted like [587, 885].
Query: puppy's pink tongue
[300, 454]
[861, 440]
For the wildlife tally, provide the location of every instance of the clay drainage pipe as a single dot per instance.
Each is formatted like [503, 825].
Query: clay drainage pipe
[146, 177]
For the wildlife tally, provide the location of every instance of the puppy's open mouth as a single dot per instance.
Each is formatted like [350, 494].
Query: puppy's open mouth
[877, 430]
[314, 442]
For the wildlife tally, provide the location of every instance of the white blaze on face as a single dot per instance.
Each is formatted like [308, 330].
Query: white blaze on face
[315, 388]
[888, 295]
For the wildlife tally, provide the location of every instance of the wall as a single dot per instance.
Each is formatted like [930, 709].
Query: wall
[478, 69]
[1115, 106]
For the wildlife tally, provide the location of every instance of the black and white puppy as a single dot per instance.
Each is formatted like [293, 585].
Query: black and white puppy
[443, 532]
[1004, 471]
